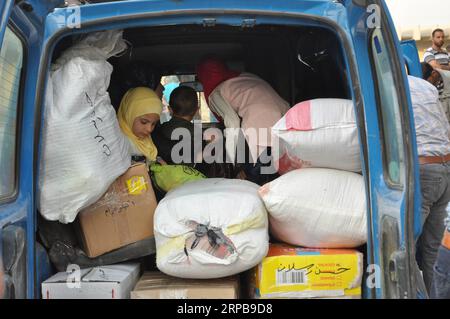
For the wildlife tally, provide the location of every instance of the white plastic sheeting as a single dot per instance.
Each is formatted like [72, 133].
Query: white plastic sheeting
[318, 133]
[83, 148]
[317, 208]
[210, 229]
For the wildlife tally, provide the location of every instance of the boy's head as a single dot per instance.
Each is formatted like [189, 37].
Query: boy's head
[183, 101]
[430, 74]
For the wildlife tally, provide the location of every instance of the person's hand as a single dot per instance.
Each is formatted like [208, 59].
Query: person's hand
[241, 175]
[159, 160]
[209, 138]
[160, 91]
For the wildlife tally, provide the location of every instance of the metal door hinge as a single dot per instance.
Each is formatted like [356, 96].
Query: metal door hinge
[248, 23]
[70, 3]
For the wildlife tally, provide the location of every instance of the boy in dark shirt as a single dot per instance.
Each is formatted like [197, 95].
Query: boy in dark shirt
[183, 105]
[188, 142]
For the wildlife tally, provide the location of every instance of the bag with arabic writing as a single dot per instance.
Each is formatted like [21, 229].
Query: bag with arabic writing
[83, 148]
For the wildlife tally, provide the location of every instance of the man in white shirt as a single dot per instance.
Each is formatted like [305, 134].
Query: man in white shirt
[433, 146]
[439, 78]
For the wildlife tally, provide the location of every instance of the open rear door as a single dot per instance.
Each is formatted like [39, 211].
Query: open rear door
[5, 10]
[20, 50]
[392, 167]
[411, 56]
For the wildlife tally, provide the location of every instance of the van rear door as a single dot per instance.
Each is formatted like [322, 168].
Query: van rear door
[392, 155]
[20, 38]
[411, 56]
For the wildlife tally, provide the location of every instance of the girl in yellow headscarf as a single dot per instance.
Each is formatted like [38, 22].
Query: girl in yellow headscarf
[138, 115]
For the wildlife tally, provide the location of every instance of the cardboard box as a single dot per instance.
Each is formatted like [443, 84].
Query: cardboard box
[156, 285]
[105, 282]
[292, 272]
[124, 214]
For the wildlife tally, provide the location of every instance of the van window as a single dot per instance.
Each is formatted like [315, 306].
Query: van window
[205, 114]
[390, 111]
[11, 56]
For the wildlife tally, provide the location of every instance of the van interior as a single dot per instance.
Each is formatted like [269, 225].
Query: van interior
[300, 63]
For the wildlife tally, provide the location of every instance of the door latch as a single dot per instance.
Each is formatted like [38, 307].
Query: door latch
[209, 22]
[248, 23]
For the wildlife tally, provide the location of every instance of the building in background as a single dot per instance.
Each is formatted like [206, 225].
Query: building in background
[416, 20]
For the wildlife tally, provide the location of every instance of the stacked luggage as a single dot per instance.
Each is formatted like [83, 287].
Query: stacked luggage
[294, 237]
[316, 211]
[317, 207]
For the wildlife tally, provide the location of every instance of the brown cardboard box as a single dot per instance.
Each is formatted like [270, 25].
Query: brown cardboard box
[156, 285]
[124, 214]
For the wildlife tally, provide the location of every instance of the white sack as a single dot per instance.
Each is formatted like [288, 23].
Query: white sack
[317, 133]
[317, 208]
[83, 149]
[233, 207]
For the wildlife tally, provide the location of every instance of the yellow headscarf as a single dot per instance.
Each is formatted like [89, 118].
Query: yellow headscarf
[137, 102]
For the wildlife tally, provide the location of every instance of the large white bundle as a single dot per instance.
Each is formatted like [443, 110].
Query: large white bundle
[318, 133]
[83, 148]
[317, 208]
[232, 213]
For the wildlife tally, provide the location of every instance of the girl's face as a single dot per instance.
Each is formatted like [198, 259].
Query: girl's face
[144, 125]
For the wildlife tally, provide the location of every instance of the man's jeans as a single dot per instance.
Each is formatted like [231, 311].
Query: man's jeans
[435, 187]
[445, 102]
[441, 282]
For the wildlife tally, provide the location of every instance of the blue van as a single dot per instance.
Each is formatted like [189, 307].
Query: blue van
[304, 48]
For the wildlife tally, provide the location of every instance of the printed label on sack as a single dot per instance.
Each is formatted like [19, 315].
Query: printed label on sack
[136, 185]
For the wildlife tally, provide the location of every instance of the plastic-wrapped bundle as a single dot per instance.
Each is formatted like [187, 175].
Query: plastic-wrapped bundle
[317, 208]
[83, 148]
[211, 228]
[317, 133]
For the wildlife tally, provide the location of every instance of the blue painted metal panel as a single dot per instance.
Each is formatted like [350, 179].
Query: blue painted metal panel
[350, 18]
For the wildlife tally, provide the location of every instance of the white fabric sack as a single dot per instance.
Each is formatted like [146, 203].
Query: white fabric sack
[317, 208]
[231, 206]
[317, 133]
[83, 148]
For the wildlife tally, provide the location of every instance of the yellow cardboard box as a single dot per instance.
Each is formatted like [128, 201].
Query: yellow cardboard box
[292, 272]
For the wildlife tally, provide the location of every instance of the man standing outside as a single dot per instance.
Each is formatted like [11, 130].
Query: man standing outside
[439, 59]
[433, 148]
[435, 77]
[437, 56]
